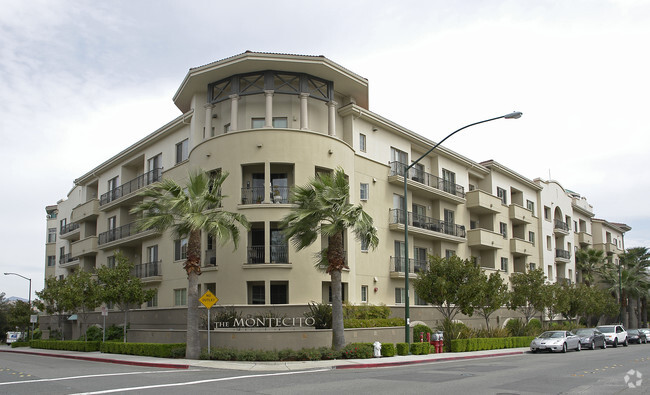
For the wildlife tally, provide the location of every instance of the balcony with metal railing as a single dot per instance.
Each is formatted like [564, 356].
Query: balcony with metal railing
[124, 235]
[255, 195]
[426, 184]
[257, 254]
[120, 193]
[563, 256]
[70, 231]
[68, 261]
[149, 271]
[562, 227]
[398, 267]
[427, 226]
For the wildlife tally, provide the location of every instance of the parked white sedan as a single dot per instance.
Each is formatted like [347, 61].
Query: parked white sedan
[555, 341]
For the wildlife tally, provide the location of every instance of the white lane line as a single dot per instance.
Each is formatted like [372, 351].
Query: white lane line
[146, 387]
[96, 375]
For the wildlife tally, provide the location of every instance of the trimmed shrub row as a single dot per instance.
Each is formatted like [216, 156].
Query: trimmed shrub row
[372, 322]
[68, 345]
[478, 344]
[174, 350]
[19, 344]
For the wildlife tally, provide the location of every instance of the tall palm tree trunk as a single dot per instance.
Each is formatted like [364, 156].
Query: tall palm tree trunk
[193, 268]
[336, 259]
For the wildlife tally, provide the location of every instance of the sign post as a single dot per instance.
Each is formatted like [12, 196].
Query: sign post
[208, 299]
[33, 319]
[104, 314]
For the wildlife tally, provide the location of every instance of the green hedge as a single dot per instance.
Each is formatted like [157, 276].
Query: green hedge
[68, 345]
[387, 350]
[422, 348]
[175, 350]
[478, 344]
[402, 348]
[19, 344]
[372, 322]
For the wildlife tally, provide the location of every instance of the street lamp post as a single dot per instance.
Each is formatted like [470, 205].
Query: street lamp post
[29, 297]
[513, 115]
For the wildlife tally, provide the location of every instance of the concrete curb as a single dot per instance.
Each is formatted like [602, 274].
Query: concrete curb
[106, 360]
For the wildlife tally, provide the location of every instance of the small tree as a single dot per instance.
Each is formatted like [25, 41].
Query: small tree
[84, 295]
[527, 295]
[121, 287]
[450, 285]
[54, 299]
[491, 294]
[18, 315]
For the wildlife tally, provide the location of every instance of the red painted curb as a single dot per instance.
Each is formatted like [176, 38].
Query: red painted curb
[403, 363]
[106, 360]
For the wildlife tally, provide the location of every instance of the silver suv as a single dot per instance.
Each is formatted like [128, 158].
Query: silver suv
[614, 334]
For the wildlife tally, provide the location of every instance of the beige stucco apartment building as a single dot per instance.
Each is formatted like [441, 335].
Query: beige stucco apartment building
[273, 121]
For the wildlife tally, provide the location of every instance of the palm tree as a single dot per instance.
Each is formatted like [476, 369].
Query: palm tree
[322, 207]
[188, 210]
[589, 261]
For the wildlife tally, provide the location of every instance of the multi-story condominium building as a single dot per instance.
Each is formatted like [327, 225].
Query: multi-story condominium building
[274, 121]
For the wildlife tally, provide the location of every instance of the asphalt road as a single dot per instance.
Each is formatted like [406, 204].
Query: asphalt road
[589, 372]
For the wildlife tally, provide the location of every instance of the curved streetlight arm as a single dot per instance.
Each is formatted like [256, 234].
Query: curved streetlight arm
[407, 319]
[29, 298]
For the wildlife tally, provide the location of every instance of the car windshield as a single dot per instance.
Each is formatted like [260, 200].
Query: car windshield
[549, 335]
[633, 332]
[584, 332]
[606, 329]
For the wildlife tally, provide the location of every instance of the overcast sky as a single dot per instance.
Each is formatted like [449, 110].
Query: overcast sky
[82, 80]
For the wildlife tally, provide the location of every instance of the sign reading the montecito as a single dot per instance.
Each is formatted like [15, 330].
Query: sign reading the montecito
[208, 299]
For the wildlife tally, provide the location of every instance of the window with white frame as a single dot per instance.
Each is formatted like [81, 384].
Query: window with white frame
[419, 301]
[502, 194]
[531, 266]
[503, 229]
[153, 302]
[280, 122]
[531, 237]
[182, 150]
[530, 205]
[180, 249]
[180, 297]
[364, 294]
[51, 260]
[51, 235]
[504, 264]
[362, 142]
[399, 296]
[364, 191]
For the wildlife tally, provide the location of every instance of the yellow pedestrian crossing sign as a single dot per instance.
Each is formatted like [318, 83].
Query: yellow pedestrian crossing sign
[208, 299]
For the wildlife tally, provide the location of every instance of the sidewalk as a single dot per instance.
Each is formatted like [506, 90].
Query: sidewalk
[263, 366]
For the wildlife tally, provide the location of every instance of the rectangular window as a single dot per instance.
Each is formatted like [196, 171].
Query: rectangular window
[61, 252]
[364, 294]
[363, 191]
[112, 223]
[501, 193]
[113, 183]
[51, 260]
[473, 224]
[419, 301]
[531, 266]
[504, 264]
[364, 246]
[503, 229]
[548, 243]
[182, 150]
[153, 302]
[257, 123]
[110, 262]
[51, 235]
[362, 142]
[547, 213]
[212, 287]
[63, 224]
[399, 296]
[530, 205]
[280, 122]
[180, 297]
[531, 237]
[449, 253]
[549, 274]
[256, 293]
[180, 249]
[448, 181]
[279, 292]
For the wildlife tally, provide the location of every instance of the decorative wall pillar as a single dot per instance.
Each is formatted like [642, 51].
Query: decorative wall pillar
[268, 117]
[331, 118]
[304, 112]
[234, 112]
[207, 132]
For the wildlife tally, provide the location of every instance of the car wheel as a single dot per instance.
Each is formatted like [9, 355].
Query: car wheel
[615, 343]
[593, 345]
[604, 344]
[564, 347]
[534, 351]
[579, 347]
[625, 342]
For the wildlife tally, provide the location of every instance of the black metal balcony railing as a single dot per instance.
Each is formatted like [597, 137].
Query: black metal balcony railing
[562, 254]
[118, 233]
[67, 258]
[397, 169]
[148, 269]
[280, 194]
[562, 280]
[69, 228]
[254, 195]
[428, 223]
[562, 225]
[279, 254]
[139, 182]
[398, 265]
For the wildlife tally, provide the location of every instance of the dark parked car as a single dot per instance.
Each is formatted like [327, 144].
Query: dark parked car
[591, 338]
[637, 336]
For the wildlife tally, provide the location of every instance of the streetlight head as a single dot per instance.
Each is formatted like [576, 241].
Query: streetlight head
[513, 115]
